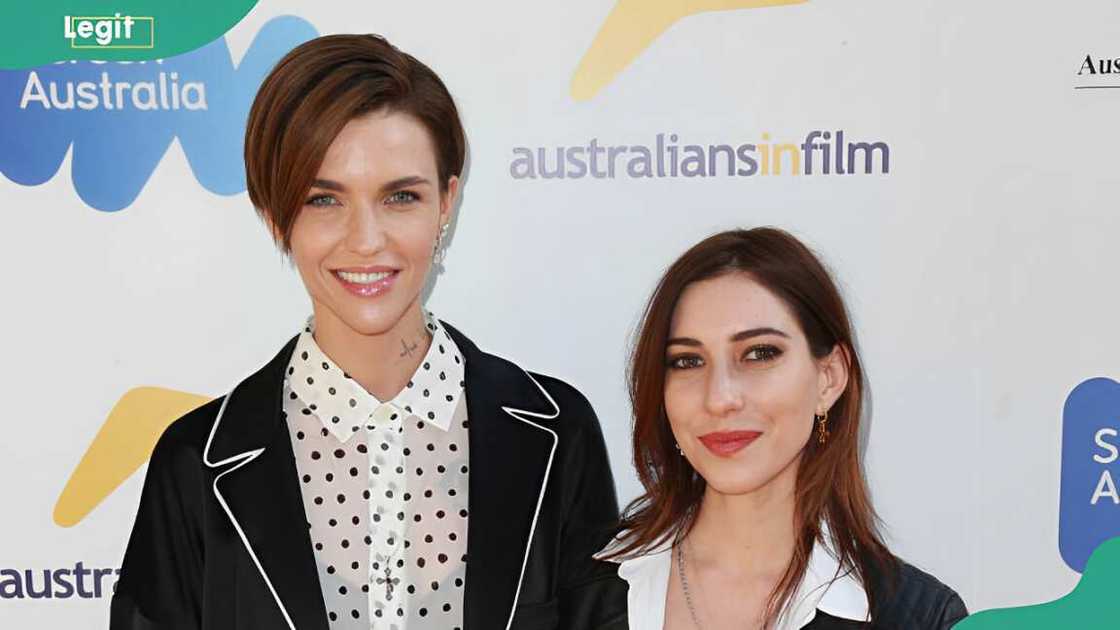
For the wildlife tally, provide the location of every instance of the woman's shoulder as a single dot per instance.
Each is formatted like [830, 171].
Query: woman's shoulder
[187, 436]
[250, 400]
[549, 395]
[913, 598]
[566, 395]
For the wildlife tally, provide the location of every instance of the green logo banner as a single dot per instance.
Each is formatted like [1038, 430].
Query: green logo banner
[123, 30]
[1085, 608]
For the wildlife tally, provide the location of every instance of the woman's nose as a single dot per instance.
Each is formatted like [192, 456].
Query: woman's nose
[724, 393]
[365, 233]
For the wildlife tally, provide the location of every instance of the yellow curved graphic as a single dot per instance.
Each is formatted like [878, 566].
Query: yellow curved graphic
[631, 27]
[125, 441]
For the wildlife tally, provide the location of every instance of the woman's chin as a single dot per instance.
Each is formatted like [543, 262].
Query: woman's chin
[734, 480]
[367, 321]
[734, 487]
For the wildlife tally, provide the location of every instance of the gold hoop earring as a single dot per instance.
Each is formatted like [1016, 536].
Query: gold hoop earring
[822, 428]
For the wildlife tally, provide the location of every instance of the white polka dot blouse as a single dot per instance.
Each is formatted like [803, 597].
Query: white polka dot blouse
[384, 487]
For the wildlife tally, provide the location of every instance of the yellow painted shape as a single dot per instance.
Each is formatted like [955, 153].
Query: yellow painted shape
[631, 27]
[123, 444]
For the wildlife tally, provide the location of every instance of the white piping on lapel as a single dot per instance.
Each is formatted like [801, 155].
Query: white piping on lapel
[244, 458]
[548, 469]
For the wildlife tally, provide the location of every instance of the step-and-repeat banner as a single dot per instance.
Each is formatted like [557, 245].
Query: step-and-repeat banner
[955, 164]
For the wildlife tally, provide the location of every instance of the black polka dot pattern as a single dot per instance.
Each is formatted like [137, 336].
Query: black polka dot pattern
[384, 487]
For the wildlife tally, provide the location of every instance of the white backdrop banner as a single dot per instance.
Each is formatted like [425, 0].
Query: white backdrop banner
[953, 162]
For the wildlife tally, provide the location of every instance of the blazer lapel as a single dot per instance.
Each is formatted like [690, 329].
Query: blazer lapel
[512, 449]
[256, 485]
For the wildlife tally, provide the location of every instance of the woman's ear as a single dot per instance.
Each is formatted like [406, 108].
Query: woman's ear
[833, 377]
[447, 200]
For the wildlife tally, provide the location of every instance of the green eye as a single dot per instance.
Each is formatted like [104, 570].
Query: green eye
[404, 196]
[321, 201]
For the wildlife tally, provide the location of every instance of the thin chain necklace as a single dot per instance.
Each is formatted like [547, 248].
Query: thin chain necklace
[684, 587]
[387, 579]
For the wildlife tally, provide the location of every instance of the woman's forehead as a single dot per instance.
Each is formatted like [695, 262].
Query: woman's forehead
[715, 308]
[387, 142]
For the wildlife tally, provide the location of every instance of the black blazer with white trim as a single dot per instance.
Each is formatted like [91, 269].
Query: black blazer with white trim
[221, 542]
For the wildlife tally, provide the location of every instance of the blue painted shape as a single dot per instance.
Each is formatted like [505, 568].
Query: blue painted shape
[117, 137]
[1090, 461]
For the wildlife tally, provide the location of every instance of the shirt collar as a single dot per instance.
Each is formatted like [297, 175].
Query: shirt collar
[434, 391]
[344, 406]
[635, 565]
[830, 588]
[825, 586]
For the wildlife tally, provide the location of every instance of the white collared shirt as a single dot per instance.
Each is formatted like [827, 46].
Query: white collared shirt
[824, 587]
[384, 487]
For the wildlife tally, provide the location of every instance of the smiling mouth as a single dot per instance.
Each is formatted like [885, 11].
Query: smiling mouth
[363, 278]
[367, 283]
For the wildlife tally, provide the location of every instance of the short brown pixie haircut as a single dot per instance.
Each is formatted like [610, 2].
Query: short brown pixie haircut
[309, 97]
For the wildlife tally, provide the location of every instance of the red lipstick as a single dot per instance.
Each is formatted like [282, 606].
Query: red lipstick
[727, 443]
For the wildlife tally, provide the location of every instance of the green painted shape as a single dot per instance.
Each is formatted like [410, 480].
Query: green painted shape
[36, 30]
[1086, 607]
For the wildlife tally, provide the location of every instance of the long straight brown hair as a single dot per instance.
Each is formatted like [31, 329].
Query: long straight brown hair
[830, 485]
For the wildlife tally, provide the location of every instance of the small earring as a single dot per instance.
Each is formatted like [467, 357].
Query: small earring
[439, 250]
[679, 451]
[822, 429]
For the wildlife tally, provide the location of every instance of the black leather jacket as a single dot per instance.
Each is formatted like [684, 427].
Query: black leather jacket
[913, 600]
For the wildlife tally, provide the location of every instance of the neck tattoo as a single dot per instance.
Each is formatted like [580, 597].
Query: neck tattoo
[407, 349]
[410, 346]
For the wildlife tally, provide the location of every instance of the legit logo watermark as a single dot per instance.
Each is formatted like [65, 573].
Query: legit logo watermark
[104, 32]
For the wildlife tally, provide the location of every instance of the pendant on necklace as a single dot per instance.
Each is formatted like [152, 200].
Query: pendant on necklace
[389, 581]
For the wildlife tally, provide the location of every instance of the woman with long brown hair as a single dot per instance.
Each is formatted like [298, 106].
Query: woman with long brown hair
[747, 393]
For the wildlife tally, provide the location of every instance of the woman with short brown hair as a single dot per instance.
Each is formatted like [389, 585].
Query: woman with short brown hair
[333, 488]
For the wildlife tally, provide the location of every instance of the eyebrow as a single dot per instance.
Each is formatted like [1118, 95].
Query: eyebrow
[739, 336]
[400, 182]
